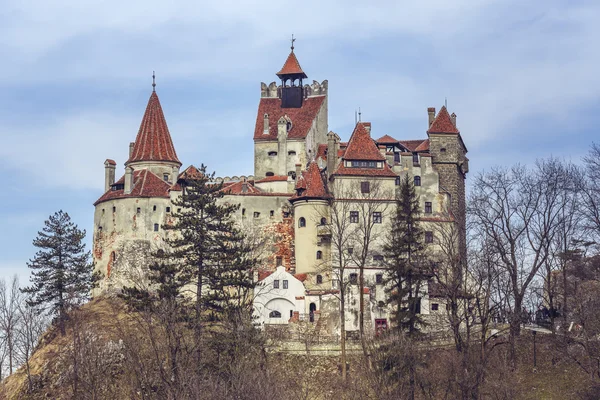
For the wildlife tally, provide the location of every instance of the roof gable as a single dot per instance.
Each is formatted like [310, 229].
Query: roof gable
[443, 123]
[153, 141]
[385, 139]
[361, 146]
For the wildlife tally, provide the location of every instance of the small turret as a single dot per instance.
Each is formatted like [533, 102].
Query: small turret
[291, 75]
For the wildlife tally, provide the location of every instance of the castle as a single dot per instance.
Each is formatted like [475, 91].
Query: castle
[304, 178]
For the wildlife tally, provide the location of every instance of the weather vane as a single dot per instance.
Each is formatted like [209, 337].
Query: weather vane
[293, 40]
[153, 82]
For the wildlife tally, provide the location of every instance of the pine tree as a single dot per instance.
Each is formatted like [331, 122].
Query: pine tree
[405, 261]
[210, 251]
[61, 272]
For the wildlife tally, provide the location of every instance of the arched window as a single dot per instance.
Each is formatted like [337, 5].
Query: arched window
[319, 279]
[301, 222]
[269, 174]
[274, 314]
[323, 221]
[319, 254]
[417, 180]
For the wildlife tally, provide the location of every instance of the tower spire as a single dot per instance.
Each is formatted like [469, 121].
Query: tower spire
[293, 40]
[153, 82]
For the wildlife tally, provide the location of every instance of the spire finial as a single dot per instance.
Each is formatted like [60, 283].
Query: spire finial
[293, 40]
[446, 102]
[153, 82]
[359, 114]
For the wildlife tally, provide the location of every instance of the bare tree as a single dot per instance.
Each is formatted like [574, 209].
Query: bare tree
[590, 207]
[519, 212]
[32, 324]
[10, 301]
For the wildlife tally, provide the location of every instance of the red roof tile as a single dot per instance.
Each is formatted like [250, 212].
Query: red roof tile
[322, 152]
[349, 171]
[302, 118]
[262, 274]
[291, 67]
[423, 146]
[238, 188]
[386, 139]
[190, 172]
[301, 277]
[153, 141]
[442, 123]
[311, 184]
[411, 145]
[274, 178]
[361, 146]
[145, 184]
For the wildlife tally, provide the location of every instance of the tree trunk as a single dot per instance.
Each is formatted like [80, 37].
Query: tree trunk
[343, 335]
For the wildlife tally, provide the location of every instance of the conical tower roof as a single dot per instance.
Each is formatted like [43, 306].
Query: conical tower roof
[311, 184]
[443, 123]
[292, 68]
[153, 141]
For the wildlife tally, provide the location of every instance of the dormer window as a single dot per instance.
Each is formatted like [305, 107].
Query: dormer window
[364, 164]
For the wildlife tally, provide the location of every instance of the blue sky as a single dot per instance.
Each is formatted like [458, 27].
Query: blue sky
[75, 78]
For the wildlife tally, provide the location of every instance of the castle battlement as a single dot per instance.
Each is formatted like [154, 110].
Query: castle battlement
[274, 91]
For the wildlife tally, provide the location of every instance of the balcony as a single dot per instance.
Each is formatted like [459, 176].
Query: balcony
[324, 230]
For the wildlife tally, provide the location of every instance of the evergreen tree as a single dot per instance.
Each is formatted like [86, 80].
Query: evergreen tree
[405, 263]
[61, 272]
[209, 250]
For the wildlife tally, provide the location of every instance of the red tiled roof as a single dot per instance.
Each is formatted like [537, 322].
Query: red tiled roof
[274, 178]
[153, 141]
[361, 146]
[302, 118]
[145, 184]
[423, 146]
[291, 67]
[386, 139]
[311, 184]
[238, 188]
[110, 162]
[411, 145]
[442, 123]
[349, 171]
[191, 172]
[262, 274]
[301, 277]
[322, 152]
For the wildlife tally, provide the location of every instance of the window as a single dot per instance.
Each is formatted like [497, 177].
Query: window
[415, 158]
[243, 212]
[396, 157]
[114, 209]
[278, 261]
[323, 221]
[365, 187]
[301, 222]
[350, 250]
[269, 174]
[379, 279]
[380, 304]
[377, 257]
[428, 237]
[443, 150]
[274, 314]
[319, 255]
[377, 217]
[292, 174]
[353, 278]
[397, 181]
[99, 228]
[291, 153]
[155, 227]
[139, 210]
[166, 177]
[271, 213]
[319, 279]
[276, 283]
[272, 153]
[285, 284]
[417, 181]
[256, 214]
[179, 210]
[428, 209]
[103, 211]
[435, 306]
[168, 209]
[153, 208]
[354, 217]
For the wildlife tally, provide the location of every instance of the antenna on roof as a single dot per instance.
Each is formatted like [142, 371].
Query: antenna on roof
[293, 40]
[153, 82]
[359, 114]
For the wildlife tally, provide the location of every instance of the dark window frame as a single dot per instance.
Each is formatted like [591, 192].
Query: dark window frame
[354, 217]
[377, 217]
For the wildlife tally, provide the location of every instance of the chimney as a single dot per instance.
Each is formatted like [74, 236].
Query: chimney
[244, 186]
[367, 126]
[175, 175]
[131, 149]
[109, 174]
[453, 116]
[333, 145]
[128, 180]
[266, 124]
[431, 113]
[298, 169]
